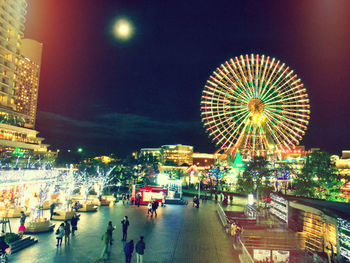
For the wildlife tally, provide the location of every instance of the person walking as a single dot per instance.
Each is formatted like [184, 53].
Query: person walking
[52, 210]
[138, 200]
[60, 234]
[105, 241]
[23, 218]
[66, 232]
[125, 223]
[128, 249]
[110, 229]
[74, 223]
[154, 207]
[140, 250]
[123, 199]
[149, 206]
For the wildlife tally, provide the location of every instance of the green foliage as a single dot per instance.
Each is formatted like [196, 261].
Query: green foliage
[11, 237]
[318, 178]
[255, 177]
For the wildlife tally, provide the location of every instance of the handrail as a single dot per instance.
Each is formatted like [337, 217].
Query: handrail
[245, 257]
[222, 215]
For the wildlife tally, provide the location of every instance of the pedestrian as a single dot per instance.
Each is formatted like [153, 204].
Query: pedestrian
[128, 249]
[239, 231]
[138, 200]
[60, 234]
[154, 207]
[140, 250]
[74, 223]
[110, 229]
[127, 198]
[105, 240]
[231, 199]
[21, 230]
[52, 209]
[66, 232]
[23, 218]
[125, 223]
[149, 206]
[123, 199]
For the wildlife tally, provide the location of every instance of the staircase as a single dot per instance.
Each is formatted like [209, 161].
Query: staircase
[22, 243]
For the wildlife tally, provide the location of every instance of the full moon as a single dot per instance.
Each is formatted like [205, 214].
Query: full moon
[122, 29]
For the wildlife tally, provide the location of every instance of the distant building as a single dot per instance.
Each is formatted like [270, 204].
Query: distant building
[203, 159]
[178, 154]
[154, 151]
[343, 165]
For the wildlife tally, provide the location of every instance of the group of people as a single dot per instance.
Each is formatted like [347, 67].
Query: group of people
[152, 208]
[65, 229]
[129, 247]
[125, 198]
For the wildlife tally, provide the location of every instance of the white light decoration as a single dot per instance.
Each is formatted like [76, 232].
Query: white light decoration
[344, 237]
[279, 207]
[250, 199]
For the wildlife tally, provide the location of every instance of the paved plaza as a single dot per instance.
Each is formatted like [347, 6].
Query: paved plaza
[179, 234]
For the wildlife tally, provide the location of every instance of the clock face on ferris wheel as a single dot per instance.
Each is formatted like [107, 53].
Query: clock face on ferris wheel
[254, 103]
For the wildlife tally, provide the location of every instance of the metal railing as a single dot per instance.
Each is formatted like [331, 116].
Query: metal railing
[245, 256]
[222, 215]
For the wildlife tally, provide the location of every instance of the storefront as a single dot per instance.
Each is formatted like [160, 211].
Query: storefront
[151, 193]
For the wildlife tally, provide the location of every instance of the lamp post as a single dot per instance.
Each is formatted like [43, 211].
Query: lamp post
[199, 189]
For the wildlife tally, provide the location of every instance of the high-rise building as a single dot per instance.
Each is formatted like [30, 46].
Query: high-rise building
[20, 61]
[27, 80]
[12, 21]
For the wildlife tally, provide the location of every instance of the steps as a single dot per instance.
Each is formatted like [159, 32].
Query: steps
[22, 243]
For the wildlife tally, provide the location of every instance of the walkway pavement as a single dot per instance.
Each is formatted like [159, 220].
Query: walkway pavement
[179, 234]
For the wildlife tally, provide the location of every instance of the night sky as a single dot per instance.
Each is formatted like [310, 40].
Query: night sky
[107, 95]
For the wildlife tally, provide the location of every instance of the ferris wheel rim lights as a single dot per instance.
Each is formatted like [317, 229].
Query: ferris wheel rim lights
[254, 103]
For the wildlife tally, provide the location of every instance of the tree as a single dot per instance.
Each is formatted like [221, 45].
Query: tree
[318, 178]
[255, 177]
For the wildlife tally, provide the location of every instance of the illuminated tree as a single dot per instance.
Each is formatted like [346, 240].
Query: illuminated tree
[318, 178]
[255, 177]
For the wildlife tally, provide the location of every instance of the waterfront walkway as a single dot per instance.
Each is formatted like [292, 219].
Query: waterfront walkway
[179, 234]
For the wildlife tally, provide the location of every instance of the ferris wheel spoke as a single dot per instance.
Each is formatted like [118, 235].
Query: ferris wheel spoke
[249, 71]
[263, 76]
[289, 129]
[240, 93]
[280, 77]
[285, 119]
[293, 99]
[261, 135]
[280, 86]
[272, 76]
[281, 123]
[228, 88]
[247, 134]
[290, 113]
[290, 91]
[274, 135]
[246, 87]
[247, 93]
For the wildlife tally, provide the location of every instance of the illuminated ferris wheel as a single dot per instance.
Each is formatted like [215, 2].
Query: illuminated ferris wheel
[255, 104]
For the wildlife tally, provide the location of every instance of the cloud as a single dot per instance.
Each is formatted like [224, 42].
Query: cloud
[116, 132]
